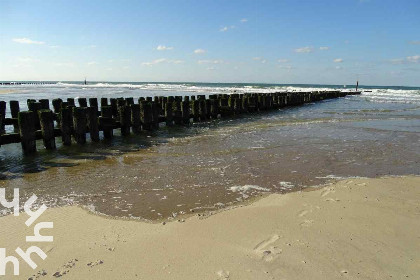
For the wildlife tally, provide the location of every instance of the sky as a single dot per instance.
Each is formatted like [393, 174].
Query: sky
[312, 42]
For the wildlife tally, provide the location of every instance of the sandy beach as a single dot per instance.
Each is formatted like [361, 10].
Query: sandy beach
[352, 229]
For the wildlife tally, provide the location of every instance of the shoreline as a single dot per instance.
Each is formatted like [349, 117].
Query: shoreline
[353, 228]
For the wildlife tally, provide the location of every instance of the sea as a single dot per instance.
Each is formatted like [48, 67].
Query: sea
[208, 166]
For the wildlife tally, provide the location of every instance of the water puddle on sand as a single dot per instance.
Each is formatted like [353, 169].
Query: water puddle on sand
[177, 171]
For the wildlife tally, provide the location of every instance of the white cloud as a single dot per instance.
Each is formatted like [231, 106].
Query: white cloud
[54, 47]
[338, 60]
[27, 59]
[162, 60]
[199, 51]
[244, 20]
[27, 41]
[415, 42]
[413, 59]
[338, 67]
[65, 64]
[223, 29]
[164, 48]
[304, 50]
[91, 63]
[397, 61]
[259, 58]
[283, 60]
[408, 59]
[211, 68]
[324, 48]
[217, 61]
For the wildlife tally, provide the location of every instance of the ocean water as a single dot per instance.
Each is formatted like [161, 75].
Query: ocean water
[181, 170]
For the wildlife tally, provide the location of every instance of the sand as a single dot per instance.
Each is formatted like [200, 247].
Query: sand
[353, 229]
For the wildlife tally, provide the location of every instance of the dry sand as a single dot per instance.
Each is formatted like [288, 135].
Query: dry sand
[354, 229]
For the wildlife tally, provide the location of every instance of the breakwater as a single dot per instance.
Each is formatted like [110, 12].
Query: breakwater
[45, 120]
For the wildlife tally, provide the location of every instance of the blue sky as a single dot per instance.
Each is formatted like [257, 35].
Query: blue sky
[333, 42]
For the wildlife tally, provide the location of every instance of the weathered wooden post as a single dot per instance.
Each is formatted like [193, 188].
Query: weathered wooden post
[146, 114]
[214, 108]
[135, 117]
[124, 118]
[3, 113]
[168, 114]
[45, 104]
[70, 101]
[57, 105]
[14, 111]
[155, 115]
[195, 107]
[26, 122]
[177, 111]
[114, 106]
[104, 101]
[202, 108]
[92, 119]
[46, 119]
[66, 121]
[35, 107]
[185, 108]
[79, 124]
[93, 102]
[82, 102]
[129, 101]
[106, 121]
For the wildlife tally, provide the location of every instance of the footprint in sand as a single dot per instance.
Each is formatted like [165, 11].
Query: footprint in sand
[307, 223]
[327, 192]
[223, 274]
[65, 268]
[265, 249]
[303, 213]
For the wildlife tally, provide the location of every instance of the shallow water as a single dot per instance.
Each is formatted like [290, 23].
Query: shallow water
[178, 170]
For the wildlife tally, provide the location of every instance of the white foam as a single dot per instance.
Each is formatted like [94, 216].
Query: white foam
[246, 188]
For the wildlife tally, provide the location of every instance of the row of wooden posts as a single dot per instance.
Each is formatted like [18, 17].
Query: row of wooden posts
[74, 122]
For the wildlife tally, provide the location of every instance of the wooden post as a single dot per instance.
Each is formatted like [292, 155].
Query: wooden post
[45, 104]
[79, 124]
[57, 105]
[82, 102]
[104, 101]
[185, 108]
[114, 107]
[155, 115]
[3, 113]
[35, 107]
[93, 102]
[135, 117]
[26, 122]
[169, 114]
[70, 101]
[202, 108]
[14, 111]
[195, 106]
[129, 101]
[66, 124]
[124, 118]
[177, 111]
[106, 121]
[146, 115]
[214, 108]
[92, 119]
[46, 118]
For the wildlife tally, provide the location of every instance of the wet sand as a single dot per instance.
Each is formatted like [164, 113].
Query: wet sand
[353, 229]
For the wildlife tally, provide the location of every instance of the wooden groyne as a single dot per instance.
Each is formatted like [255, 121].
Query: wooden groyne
[25, 83]
[47, 120]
